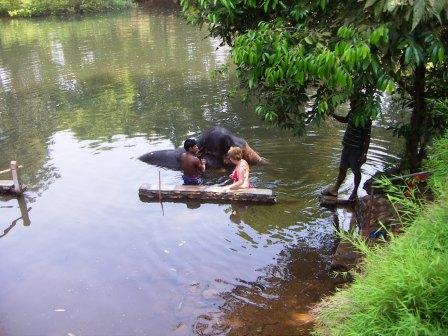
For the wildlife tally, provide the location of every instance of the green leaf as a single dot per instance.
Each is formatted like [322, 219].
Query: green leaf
[408, 55]
[390, 87]
[435, 49]
[418, 12]
[418, 55]
[251, 83]
[402, 44]
[322, 4]
[265, 5]
[370, 3]
[441, 54]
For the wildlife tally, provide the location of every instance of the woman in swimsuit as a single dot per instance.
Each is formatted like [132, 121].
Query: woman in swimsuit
[240, 175]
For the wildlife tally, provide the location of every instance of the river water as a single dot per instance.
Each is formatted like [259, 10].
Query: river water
[80, 100]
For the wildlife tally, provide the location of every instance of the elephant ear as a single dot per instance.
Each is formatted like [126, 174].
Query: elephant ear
[235, 141]
[228, 141]
[225, 144]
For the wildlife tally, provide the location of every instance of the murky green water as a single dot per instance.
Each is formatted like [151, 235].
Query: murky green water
[80, 100]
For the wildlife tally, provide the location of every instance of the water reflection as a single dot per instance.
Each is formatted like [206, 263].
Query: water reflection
[24, 215]
[237, 211]
[112, 81]
[277, 302]
[80, 101]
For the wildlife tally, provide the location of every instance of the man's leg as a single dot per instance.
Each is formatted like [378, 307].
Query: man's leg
[355, 166]
[334, 189]
[357, 181]
[343, 166]
[340, 179]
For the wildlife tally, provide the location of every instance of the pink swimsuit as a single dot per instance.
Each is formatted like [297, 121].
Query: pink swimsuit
[234, 177]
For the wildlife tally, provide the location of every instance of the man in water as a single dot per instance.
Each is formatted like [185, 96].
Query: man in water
[354, 153]
[190, 163]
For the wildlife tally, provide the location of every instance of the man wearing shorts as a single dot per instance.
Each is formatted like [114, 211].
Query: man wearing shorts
[354, 153]
[190, 163]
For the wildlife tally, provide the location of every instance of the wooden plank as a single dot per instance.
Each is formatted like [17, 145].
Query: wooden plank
[206, 193]
[6, 186]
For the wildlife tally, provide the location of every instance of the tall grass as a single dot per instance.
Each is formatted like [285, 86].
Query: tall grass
[28, 8]
[403, 289]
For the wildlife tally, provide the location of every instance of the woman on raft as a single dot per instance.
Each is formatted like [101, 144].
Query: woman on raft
[240, 175]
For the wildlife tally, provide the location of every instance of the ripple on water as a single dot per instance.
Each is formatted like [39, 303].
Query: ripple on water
[81, 100]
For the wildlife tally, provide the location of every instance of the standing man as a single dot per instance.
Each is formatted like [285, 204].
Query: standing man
[190, 163]
[354, 152]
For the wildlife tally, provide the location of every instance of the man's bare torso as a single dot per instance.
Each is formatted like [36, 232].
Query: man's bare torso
[190, 165]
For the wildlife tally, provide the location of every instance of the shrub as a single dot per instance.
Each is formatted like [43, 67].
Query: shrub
[28, 8]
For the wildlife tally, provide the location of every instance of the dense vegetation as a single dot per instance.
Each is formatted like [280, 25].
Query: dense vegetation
[404, 286]
[304, 59]
[28, 8]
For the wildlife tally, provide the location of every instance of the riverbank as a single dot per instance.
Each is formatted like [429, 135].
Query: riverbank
[33, 8]
[403, 286]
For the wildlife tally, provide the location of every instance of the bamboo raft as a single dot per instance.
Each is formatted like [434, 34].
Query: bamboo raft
[182, 193]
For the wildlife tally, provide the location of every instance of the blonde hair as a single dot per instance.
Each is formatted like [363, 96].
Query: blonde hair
[235, 153]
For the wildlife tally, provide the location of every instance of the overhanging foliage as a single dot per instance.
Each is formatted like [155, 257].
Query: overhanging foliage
[325, 53]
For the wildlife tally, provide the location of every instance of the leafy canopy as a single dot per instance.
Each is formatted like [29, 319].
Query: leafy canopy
[303, 59]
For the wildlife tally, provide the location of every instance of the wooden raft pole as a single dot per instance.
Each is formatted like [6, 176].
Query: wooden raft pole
[182, 193]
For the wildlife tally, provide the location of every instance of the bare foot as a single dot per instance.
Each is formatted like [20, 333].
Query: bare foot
[330, 191]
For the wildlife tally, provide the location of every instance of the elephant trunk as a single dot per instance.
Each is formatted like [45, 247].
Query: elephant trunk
[252, 156]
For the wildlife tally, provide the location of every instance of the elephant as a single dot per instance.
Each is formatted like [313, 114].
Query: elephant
[213, 146]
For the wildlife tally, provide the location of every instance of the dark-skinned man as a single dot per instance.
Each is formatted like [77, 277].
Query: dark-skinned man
[190, 163]
[355, 144]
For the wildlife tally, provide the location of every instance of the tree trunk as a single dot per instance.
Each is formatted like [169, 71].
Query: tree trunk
[418, 120]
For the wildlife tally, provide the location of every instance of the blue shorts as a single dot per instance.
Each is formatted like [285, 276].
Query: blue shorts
[192, 180]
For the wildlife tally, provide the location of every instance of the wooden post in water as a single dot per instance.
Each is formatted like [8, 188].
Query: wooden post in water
[15, 177]
[160, 188]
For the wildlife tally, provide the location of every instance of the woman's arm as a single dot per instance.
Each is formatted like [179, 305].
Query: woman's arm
[236, 185]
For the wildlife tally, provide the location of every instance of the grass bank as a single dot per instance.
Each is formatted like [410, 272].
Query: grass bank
[30, 8]
[403, 289]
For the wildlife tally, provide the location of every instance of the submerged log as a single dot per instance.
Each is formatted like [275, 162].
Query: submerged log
[181, 193]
